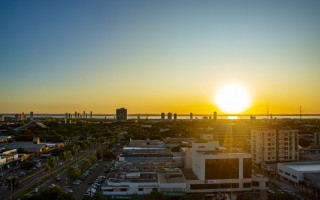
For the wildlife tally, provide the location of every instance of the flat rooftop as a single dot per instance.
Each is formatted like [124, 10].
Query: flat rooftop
[306, 167]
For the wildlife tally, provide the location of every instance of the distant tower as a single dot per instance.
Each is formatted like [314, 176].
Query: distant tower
[66, 116]
[121, 114]
[215, 116]
[75, 115]
[84, 114]
[169, 116]
[191, 116]
[78, 115]
[31, 116]
[1, 118]
[22, 116]
[16, 117]
[175, 116]
[91, 115]
[163, 116]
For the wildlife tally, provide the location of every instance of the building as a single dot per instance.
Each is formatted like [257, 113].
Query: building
[175, 116]
[216, 171]
[84, 114]
[316, 138]
[1, 118]
[170, 116]
[66, 116]
[144, 166]
[75, 115]
[135, 185]
[215, 115]
[16, 117]
[163, 116]
[191, 116]
[31, 116]
[91, 115]
[121, 114]
[271, 145]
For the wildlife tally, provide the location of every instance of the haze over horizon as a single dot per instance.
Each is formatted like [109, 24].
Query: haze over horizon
[158, 56]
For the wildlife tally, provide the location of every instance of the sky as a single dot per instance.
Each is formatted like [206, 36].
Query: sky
[158, 56]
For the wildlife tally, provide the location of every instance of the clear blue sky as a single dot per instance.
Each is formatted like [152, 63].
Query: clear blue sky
[154, 56]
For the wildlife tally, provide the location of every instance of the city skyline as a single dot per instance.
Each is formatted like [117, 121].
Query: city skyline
[154, 57]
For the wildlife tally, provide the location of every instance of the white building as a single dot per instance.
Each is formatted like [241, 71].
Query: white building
[220, 171]
[294, 171]
[271, 145]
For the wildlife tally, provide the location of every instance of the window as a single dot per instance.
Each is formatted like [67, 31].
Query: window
[246, 185]
[154, 189]
[225, 185]
[123, 189]
[204, 186]
[110, 190]
[235, 185]
[222, 168]
[281, 171]
[286, 173]
[255, 183]
[293, 176]
[140, 189]
[247, 167]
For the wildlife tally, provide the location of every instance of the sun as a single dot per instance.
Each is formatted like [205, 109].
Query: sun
[233, 99]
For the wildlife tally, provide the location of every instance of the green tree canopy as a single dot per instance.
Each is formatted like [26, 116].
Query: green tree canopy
[73, 173]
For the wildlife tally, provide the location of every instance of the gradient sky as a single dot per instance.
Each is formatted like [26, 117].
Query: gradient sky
[158, 56]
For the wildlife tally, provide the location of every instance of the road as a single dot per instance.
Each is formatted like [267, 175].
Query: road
[34, 178]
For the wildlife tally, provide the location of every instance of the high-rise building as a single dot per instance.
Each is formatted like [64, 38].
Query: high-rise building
[169, 116]
[31, 116]
[163, 116]
[78, 115]
[70, 116]
[84, 114]
[175, 116]
[66, 116]
[91, 115]
[215, 115]
[271, 145]
[191, 115]
[121, 114]
[1, 118]
[16, 117]
[75, 115]
[316, 137]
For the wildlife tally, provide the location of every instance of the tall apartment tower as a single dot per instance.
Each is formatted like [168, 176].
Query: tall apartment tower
[91, 115]
[121, 114]
[163, 116]
[75, 115]
[191, 115]
[169, 116]
[66, 116]
[31, 116]
[175, 116]
[84, 114]
[1, 118]
[215, 115]
[271, 145]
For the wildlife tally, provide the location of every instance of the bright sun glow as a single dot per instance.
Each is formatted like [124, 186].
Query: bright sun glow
[233, 98]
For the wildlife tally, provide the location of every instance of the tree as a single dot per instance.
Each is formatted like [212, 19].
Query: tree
[99, 154]
[93, 159]
[30, 197]
[14, 181]
[280, 196]
[243, 197]
[47, 168]
[194, 197]
[96, 196]
[85, 164]
[155, 195]
[55, 193]
[52, 162]
[108, 155]
[27, 164]
[73, 173]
